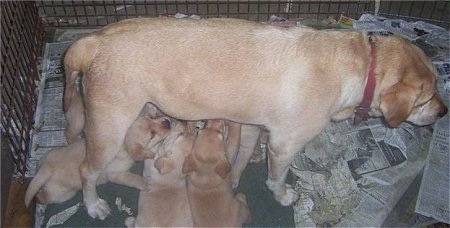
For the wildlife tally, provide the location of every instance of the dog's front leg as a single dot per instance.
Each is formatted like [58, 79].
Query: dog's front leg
[282, 150]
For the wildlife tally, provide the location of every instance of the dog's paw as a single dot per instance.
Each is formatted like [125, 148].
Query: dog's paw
[289, 197]
[99, 209]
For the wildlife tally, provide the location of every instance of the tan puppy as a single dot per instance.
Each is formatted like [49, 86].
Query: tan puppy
[210, 193]
[292, 81]
[166, 203]
[58, 179]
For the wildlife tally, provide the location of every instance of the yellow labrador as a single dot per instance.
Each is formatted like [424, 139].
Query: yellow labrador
[292, 81]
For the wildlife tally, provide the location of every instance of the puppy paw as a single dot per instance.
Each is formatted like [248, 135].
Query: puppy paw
[148, 184]
[289, 197]
[235, 178]
[99, 209]
[241, 197]
[129, 222]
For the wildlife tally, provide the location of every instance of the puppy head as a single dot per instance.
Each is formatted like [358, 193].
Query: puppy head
[164, 165]
[409, 92]
[209, 150]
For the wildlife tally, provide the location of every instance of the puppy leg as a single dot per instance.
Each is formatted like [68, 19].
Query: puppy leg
[129, 179]
[244, 211]
[233, 140]
[249, 138]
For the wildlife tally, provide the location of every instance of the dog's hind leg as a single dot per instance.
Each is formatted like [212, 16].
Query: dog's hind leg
[75, 119]
[103, 142]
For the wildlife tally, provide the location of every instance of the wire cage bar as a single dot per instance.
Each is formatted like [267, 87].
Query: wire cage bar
[100, 13]
[21, 42]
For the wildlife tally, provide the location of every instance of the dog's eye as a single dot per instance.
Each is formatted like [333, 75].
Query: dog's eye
[426, 102]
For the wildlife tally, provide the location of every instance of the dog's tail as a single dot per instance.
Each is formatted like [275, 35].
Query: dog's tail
[76, 62]
[42, 176]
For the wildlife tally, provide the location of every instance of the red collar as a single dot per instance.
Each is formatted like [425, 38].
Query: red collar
[362, 110]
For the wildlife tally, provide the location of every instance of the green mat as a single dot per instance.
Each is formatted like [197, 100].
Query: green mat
[266, 212]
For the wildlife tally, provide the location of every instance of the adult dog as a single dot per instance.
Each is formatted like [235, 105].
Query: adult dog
[292, 81]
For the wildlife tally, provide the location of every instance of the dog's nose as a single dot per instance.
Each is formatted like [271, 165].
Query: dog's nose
[443, 112]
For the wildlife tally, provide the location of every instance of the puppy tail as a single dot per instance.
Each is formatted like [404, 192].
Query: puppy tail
[36, 184]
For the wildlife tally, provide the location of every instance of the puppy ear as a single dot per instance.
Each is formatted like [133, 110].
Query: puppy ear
[189, 164]
[223, 168]
[397, 103]
[217, 125]
[164, 165]
[191, 127]
[149, 109]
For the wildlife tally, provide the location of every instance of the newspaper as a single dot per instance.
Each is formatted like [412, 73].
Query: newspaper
[355, 175]
[433, 199]
[432, 34]
[49, 118]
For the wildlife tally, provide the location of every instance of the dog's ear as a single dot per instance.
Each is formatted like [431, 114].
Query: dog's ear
[164, 165]
[222, 168]
[189, 164]
[397, 103]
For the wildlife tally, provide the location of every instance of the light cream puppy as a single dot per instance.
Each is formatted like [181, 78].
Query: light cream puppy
[211, 197]
[166, 203]
[58, 177]
[291, 81]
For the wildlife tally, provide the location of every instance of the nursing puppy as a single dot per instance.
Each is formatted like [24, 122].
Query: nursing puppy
[58, 177]
[292, 81]
[166, 204]
[209, 188]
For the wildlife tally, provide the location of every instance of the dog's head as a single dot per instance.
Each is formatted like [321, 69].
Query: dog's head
[208, 151]
[407, 84]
